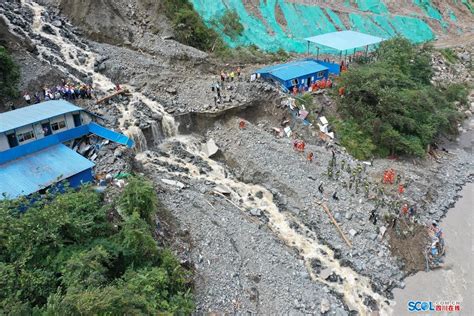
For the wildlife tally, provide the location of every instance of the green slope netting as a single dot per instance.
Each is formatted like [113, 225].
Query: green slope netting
[287, 29]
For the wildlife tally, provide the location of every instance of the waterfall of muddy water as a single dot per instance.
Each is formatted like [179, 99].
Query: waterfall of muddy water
[355, 288]
[136, 134]
[69, 52]
[157, 133]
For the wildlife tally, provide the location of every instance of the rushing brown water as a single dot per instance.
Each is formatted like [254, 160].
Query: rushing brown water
[455, 281]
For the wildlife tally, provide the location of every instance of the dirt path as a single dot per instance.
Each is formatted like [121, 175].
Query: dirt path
[465, 39]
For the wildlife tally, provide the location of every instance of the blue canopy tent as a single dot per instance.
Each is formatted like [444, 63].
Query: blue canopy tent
[342, 42]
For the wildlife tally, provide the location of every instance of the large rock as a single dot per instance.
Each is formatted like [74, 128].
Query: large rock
[210, 148]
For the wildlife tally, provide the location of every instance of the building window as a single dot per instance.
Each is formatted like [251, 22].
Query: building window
[320, 74]
[23, 137]
[56, 126]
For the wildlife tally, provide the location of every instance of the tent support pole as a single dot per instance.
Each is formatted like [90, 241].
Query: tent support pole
[366, 51]
[317, 54]
[345, 58]
[340, 56]
[308, 48]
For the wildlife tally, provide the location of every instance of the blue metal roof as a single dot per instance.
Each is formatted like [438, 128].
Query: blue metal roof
[293, 70]
[35, 113]
[345, 40]
[34, 172]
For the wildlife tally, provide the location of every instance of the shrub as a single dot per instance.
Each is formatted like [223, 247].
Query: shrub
[9, 75]
[231, 25]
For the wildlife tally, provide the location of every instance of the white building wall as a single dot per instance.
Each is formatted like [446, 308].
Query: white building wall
[86, 118]
[4, 142]
[38, 131]
[69, 121]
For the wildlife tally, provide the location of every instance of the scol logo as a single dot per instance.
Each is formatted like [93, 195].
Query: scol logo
[420, 306]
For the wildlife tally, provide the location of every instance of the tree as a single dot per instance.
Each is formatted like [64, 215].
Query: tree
[392, 103]
[139, 197]
[9, 75]
[60, 255]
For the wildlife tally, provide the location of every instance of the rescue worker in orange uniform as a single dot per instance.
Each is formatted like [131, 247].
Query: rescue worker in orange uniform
[310, 156]
[401, 189]
[242, 124]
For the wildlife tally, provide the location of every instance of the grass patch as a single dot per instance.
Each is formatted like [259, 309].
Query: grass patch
[449, 55]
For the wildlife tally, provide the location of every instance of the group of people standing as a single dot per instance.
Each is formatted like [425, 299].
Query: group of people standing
[225, 77]
[67, 91]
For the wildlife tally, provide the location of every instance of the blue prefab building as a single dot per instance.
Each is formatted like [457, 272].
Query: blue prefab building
[300, 74]
[33, 156]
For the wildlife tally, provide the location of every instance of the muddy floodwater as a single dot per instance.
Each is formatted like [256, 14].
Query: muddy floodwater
[455, 281]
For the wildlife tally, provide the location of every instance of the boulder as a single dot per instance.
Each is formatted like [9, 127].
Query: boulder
[210, 148]
[255, 212]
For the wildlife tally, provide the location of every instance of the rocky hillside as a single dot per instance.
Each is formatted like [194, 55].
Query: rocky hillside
[275, 24]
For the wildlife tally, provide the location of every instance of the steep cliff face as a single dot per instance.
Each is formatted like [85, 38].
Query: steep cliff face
[114, 21]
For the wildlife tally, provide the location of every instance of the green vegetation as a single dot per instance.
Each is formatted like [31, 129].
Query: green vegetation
[250, 54]
[9, 75]
[72, 254]
[231, 25]
[449, 55]
[189, 27]
[390, 106]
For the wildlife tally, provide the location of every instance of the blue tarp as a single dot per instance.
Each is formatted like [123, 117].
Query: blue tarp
[345, 40]
[39, 170]
[293, 70]
[35, 113]
[110, 135]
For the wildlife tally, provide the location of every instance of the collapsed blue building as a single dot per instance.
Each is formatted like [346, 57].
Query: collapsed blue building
[35, 147]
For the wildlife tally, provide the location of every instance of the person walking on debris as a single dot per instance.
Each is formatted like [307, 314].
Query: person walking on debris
[320, 188]
[373, 217]
[310, 156]
[334, 196]
[399, 178]
[232, 75]
[401, 189]
[405, 209]
[242, 124]
[343, 164]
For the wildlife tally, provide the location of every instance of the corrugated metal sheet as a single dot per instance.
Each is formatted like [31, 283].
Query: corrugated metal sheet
[293, 70]
[35, 113]
[34, 172]
[345, 40]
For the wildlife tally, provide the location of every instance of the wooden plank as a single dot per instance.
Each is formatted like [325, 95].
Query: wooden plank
[106, 98]
[326, 209]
